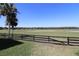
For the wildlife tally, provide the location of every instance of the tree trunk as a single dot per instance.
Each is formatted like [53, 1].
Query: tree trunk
[9, 31]
[12, 30]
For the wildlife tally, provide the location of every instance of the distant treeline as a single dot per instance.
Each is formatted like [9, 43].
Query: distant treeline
[42, 28]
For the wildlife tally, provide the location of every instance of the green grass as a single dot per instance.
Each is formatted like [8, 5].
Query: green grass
[57, 32]
[32, 48]
[42, 49]
[24, 49]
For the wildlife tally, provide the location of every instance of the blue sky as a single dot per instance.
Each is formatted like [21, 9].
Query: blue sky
[46, 15]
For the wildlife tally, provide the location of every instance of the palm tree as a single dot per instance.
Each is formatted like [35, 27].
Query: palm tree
[8, 10]
[13, 21]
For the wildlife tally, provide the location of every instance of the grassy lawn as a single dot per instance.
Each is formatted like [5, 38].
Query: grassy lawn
[19, 50]
[44, 49]
[29, 48]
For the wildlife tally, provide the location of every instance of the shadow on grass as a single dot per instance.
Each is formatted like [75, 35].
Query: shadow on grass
[7, 43]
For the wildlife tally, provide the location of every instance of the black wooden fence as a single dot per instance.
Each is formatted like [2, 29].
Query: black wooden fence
[42, 37]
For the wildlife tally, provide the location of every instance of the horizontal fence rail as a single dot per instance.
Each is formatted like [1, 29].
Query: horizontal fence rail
[42, 37]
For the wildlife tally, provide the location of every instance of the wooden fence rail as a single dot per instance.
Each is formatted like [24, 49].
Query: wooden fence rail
[23, 36]
[48, 37]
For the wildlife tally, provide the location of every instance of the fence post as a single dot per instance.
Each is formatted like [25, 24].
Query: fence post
[33, 38]
[21, 36]
[68, 40]
[48, 38]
